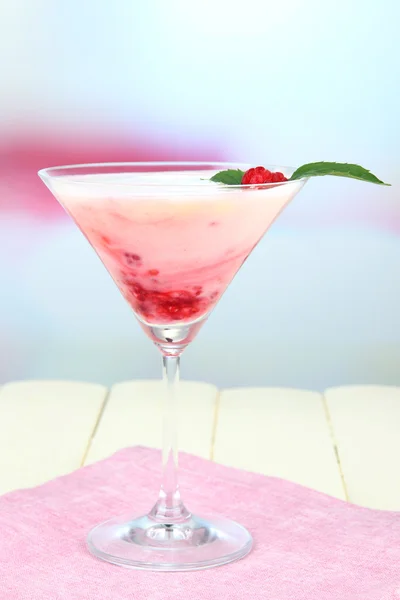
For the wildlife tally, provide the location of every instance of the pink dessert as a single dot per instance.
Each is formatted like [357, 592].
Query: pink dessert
[171, 241]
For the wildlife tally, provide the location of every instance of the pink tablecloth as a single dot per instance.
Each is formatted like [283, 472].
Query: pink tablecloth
[308, 546]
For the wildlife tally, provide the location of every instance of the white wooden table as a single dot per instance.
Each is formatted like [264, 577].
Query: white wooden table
[345, 442]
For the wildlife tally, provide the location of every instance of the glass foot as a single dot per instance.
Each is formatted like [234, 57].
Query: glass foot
[193, 544]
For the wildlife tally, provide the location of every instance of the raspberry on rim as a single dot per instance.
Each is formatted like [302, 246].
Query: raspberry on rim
[259, 175]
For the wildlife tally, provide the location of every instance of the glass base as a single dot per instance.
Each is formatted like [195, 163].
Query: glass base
[191, 545]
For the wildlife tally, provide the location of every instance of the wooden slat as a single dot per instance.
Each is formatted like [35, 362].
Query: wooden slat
[45, 428]
[133, 416]
[366, 426]
[279, 432]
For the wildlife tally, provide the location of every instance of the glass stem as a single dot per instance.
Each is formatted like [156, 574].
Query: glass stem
[169, 507]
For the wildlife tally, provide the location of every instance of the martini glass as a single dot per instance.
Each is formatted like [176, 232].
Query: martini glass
[172, 241]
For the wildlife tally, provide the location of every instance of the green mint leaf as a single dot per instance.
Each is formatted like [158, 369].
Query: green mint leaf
[229, 177]
[338, 169]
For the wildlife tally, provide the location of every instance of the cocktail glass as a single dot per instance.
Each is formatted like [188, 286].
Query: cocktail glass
[172, 240]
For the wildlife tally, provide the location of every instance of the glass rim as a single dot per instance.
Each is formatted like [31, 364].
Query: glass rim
[47, 173]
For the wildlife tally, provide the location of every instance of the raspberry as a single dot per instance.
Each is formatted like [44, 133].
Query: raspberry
[259, 175]
[164, 306]
[256, 175]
